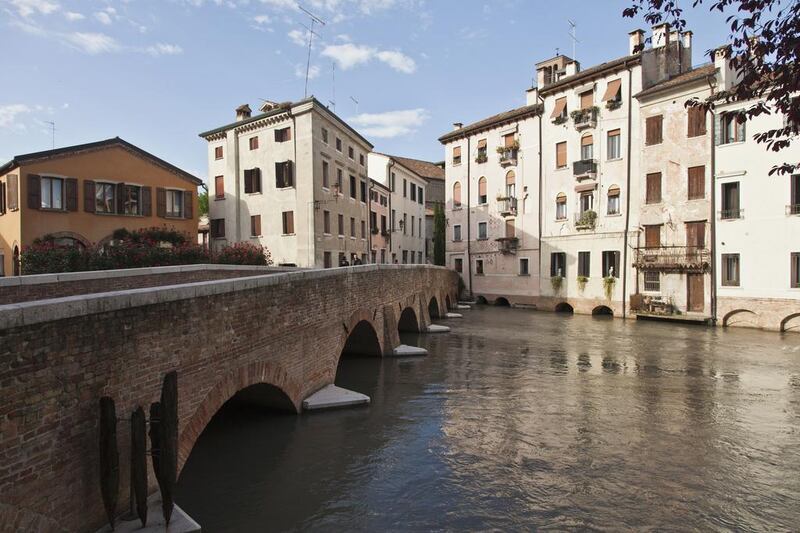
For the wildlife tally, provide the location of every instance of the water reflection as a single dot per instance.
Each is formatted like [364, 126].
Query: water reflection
[520, 420]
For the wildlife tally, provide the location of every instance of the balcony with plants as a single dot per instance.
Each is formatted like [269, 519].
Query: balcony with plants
[508, 154]
[584, 169]
[586, 220]
[585, 118]
[506, 205]
[673, 259]
[508, 245]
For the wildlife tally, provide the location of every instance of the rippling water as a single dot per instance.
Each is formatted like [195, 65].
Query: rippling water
[521, 420]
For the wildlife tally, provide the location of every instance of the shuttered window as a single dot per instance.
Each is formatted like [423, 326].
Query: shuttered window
[696, 117]
[218, 152]
[219, 187]
[697, 182]
[653, 195]
[510, 229]
[558, 264]
[587, 99]
[482, 198]
[587, 147]
[794, 282]
[283, 175]
[254, 143]
[456, 194]
[288, 222]
[653, 133]
[252, 180]
[696, 234]
[326, 222]
[217, 228]
[561, 206]
[730, 128]
[652, 236]
[104, 199]
[12, 192]
[283, 135]
[611, 264]
[560, 108]
[614, 146]
[613, 91]
[457, 155]
[561, 154]
[613, 200]
[341, 224]
[255, 226]
[508, 140]
[584, 259]
[2, 198]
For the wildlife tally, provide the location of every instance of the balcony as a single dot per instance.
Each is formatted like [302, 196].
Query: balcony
[508, 245]
[508, 156]
[731, 214]
[793, 209]
[584, 169]
[506, 205]
[585, 118]
[586, 220]
[673, 259]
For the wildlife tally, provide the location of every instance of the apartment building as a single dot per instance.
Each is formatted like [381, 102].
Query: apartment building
[406, 207]
[292, 178]
[79, 195]
[380, 236]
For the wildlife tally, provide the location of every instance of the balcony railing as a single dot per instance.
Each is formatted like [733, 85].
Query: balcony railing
[585, 118]
[507, 205]
[673, 258]
[508, 245]
[731, 214]
[793, 209]
[585, 220]
[508, 156]
[585, 168]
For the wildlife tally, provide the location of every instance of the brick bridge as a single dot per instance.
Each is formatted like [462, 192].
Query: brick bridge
[227, 331]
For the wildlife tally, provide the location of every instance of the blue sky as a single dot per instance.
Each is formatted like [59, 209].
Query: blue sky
[158, 72]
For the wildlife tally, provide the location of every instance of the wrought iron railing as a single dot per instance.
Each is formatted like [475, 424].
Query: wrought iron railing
[793, 209]
[508, 156]
[731, 214]
[507, 205]
[508, 245]
[584, 167]
[585, 118]
[673, 258]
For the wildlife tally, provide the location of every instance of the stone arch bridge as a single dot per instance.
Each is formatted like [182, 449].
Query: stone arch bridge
[66, 340]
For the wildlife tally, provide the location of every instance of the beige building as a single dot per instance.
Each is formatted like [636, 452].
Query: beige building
[294, 179]
[78, 195]
[379, 212]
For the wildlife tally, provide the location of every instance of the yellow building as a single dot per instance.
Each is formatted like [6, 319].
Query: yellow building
[80, 194]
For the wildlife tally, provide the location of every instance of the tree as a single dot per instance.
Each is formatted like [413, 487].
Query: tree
[202, 199]
[763, 48]
[439, 225]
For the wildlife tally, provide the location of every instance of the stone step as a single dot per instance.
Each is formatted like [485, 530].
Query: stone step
[405, 349]
[331, 396]
[463, 307]
[180, 522]
[436, 328]
[454, 315]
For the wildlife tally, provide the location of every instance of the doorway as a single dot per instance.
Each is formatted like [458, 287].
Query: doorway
[695, 293]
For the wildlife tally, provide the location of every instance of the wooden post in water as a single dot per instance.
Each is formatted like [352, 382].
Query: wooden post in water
[109, 458]
[168, 439]
[139, 462]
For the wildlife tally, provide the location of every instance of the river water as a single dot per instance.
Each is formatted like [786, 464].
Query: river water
[521, 420]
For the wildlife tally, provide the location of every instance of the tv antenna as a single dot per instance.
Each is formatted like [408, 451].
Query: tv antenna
[314, 20]
[356, 102]
[52, 131]
[333, 84]
[572, 30]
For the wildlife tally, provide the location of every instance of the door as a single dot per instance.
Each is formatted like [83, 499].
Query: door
[695, 292]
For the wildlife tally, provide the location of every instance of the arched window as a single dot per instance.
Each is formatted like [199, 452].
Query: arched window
[587, 147]
[613, 200]
[482, 199]
[561, 206]
[511, 186]
[456, 194]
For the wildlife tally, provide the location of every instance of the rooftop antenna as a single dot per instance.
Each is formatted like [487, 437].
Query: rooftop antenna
[314, 20]
[333, 82]
[356, 102]
[52, 131]
[572, 27]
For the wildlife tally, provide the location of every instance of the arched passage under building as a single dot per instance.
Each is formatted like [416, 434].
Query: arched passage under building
[433, 308]
[480, 300]
[502, 302]
[564, 308]
[791, 323]
[602, 310]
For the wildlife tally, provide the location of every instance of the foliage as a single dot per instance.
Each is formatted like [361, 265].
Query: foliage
[244, 253]
[506, 149]
[608, 286]
[560, 119]
[763, 49]
[439, 224]
[153, 234]
[613, 104]
[482, 158]
[556, 282]
[587, 219]
[582, 280]
[202, 201]
[583, 114]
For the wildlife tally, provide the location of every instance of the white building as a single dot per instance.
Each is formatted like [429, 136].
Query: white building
[406, 207]
[292, 178]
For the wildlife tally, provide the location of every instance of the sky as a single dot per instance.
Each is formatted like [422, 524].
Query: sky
[158, 72]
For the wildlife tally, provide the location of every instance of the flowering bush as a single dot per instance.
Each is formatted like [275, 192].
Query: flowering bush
[244, 253]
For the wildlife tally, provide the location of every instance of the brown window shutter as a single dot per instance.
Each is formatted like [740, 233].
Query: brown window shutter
[147, 201]
[71, 194]
[2, 198]
[34, 192]
[697, 184]
[560, 106]
[696, 121]
[612, 89]
[457, 151]
[482, 143]
[561, 154]
[653, 188]
[121, 198]
[290, 222]
[13, 192]
[289, 174]
[652, 236]
[510, 177]
[248, 181]
[482, 187]
[161, 202]
[188, 204]
[89, 196]
[509, 140]
[587, 99]
[587, 140]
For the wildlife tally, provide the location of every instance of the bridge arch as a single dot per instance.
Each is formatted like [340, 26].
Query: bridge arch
[409, 321]
[564, 307]
[743, 315]
[433, 308]
[785, 323]
[448, 302]
[360, 335]
[602, 310]
[502, 302]
[481, 300]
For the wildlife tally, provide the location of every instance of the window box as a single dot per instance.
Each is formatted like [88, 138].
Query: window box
[482, 158]
[561, 119]
[508, 156]
[611, 105]
[586, 220]
[585, 118]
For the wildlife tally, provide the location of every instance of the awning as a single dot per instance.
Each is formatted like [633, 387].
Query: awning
[612, 89]
[561, 105]
[482, 143]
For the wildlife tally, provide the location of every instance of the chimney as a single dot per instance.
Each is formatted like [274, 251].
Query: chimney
[268, 106]
[687, 39]
[243, 112]
[636, 39]
[457, 125]
[660, 35]
[725, 75]
[572, 68]
[532, 96]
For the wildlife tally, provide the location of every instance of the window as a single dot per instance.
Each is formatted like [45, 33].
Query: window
[341, 225]
[558, 264]
[652, 281]
[456, 232]
[350, 152]
[482, 231]
[456, 155]
[174, 203]
[584, 259]
[524, 266]
[653, 193]
[326, 169]
[794, 281]
[412, 225]
[610, 264]
[252, 180]
[131, 201]
[561, 206]
[255, 225]
[326, 222]
[587, 147]
[511, 229]
[52, 191]
[587, 100]
[613, 93]
[327, 259]
[338, 144]
[794, 195]
[219, 187]
[730, 128]
[697, 182]
[511, 187]
[353, 190]
[2, 211]
[339, 179]
[283, 175]
[405, 257]
[288, 222]
[652, 236]
[352, 227]
[696, 118]
[653, 130]
[391, 181]
[482, 155]
[363, 191]
[405, 223]
[614, 146]
[361, 159]
[405, 188]
[218, 152]
[696, 235]
[482, 198]
[419, 222]
[373, 221]
[325, 140]
[456, 195]
[413, 193]
[419, 195]
[613, 200]
[458, 264]
[479, 267]
[730, 270]
[419, 257]
[363, 230]
[217, 228]
[104, 197]
[560, 109]
[561, 154]
[394, 220]
[253, 143]
[586, 201]
[730, 201]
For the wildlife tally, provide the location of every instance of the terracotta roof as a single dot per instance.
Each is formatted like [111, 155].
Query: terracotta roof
[424, 169]
[689, 76]
[589, 72]
[491, 122]
[116, 141]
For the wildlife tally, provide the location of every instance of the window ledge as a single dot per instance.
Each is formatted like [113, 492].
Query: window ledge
[722, 145]
[524, 275]
[53, 210]
[219, 198]
[287, 234]
[613, 214]
[253, 193]
[255, 236]
[280, 188]
[613, 160]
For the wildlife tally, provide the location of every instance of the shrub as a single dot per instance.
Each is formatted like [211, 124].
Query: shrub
[244, 253]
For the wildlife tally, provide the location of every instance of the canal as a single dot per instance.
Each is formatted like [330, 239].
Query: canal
[520, 420]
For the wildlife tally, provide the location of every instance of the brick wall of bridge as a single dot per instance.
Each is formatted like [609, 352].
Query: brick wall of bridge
[57, 360]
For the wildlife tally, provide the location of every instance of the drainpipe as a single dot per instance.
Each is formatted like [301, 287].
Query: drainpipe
[389, 166]
[539, 245]
[627, 199]
[469, 224]
[713, 208]
[311, 230]
[369, 220]
[238, 185]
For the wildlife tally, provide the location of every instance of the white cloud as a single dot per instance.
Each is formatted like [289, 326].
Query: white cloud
[300, 38]
[300, 71]
[26, 8]
[103, 17]
[390, 123]
[163, 49]
[262, 19]
[9, 114]
[92, 43]
[281, 4]
[349, 55]
[72, 16]
[398, 61]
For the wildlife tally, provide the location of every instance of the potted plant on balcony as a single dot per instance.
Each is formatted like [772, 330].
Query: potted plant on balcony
[608, 285]
[587, 219]
[482, 158]
[556, 282]
[613, 104]
[582, 282]
[560, 119]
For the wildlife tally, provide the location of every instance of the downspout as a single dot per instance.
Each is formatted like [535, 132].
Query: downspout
[713, 209]
[311, 230]
[627, 199]
[238, 185]
[541, 181]
[469, 224]
[369, 220]
[392, 220]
